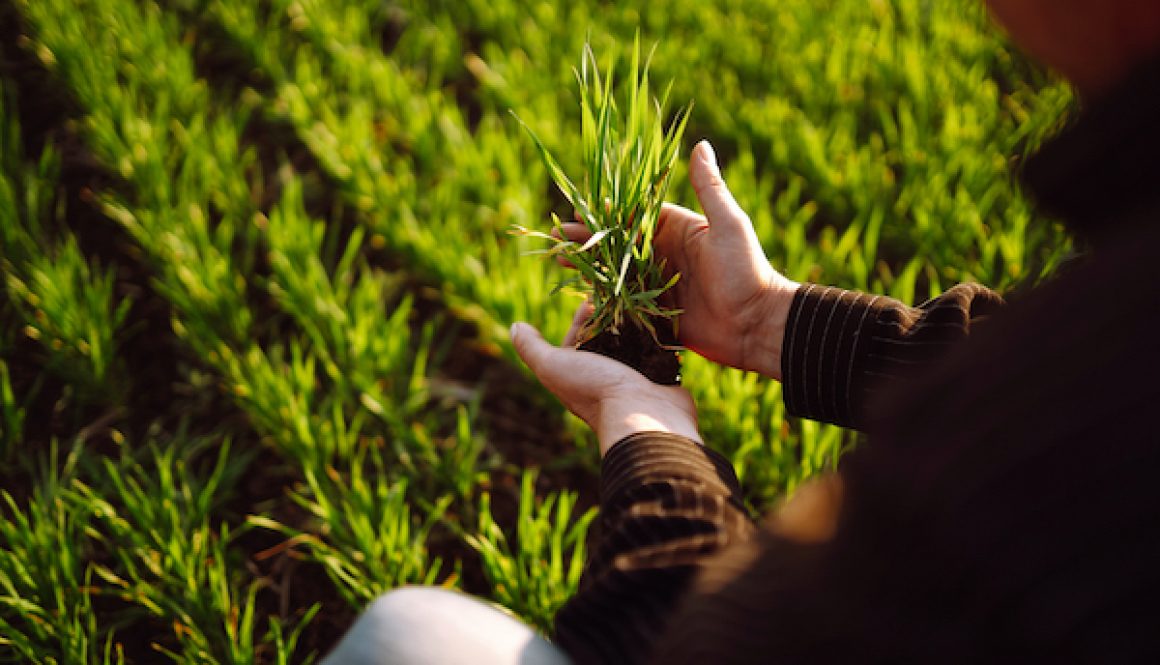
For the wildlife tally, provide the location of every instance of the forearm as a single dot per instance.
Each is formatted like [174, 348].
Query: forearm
[668, 505]
[841, 347]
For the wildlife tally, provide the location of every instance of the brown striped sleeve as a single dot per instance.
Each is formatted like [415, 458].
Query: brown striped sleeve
[667, 505]
[842, 346]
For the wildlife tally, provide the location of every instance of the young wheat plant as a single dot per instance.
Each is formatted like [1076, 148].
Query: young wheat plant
[628, 157]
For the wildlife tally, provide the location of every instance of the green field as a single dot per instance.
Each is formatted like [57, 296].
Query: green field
[257, 275]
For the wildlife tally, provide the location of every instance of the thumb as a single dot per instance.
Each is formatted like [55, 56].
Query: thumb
[716, 200]
[531, 346]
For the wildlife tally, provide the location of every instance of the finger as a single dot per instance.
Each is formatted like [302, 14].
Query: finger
[675, 224]
[583, 313]
[672, 210]
[676, 230]
[716, 200]
[574, 231]
[532, 348]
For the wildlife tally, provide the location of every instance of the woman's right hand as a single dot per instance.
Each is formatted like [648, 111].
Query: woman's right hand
[734, 304]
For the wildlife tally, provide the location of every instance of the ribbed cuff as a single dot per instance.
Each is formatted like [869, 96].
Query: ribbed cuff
[646, 456]
[826, 341]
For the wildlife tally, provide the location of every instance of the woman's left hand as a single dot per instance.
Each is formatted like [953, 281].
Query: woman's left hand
[614, 399]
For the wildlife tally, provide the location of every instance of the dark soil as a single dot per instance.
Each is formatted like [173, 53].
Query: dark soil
[634, 346]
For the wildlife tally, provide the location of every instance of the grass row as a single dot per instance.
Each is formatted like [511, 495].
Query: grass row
[53, 294]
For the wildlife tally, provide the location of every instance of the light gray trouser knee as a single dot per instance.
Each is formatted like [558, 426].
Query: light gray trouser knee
[432, 626]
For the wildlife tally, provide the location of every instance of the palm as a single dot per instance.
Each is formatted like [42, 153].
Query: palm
[723, 273]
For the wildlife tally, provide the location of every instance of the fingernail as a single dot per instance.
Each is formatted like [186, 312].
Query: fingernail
[710, 155]
[515, 331]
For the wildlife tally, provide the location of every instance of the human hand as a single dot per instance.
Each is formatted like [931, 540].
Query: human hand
[614, 399]
[734, 304]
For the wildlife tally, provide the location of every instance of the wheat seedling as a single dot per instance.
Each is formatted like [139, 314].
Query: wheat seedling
[628, 156]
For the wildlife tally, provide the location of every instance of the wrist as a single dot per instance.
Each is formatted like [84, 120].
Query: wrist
[624, 417]
[761, 344]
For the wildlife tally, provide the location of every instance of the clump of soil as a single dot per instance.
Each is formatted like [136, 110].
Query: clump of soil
[634, 346]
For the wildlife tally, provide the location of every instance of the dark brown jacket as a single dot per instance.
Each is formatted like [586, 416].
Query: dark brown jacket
[1007, 504]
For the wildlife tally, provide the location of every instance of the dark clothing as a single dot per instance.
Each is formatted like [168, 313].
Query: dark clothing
[1005, 507]
[841, 347]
